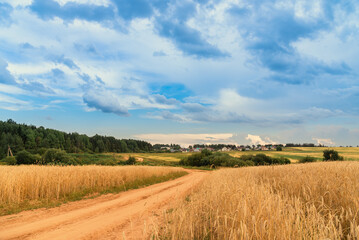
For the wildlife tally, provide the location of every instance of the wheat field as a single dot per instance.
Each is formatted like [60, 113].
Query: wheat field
[303, 201]
[23, 187]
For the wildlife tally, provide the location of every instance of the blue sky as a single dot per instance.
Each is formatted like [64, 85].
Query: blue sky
[184, 71]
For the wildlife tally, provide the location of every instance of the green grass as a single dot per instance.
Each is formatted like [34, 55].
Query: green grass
[172, 159]
[296, 153]
[88, 194]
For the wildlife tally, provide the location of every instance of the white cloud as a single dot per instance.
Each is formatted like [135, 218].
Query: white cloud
[93, 2]
[105, 101]
[10, 89]
[324, 141]
[13, 104]
[255, 140]
[188, 139]
[15, 3]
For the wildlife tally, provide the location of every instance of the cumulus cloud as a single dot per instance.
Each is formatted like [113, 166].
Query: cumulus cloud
[104, 101]
[65, 61]
[324, 141]
[186, 139]
[255, 140]
[163, 100]
[188, 40]
[231, 107]
[270, 29]
[191, 61]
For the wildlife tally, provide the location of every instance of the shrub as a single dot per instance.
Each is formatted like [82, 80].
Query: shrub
[246, 157]
[194, 160]
[57, 156]
[225, 160]
[307, 159]
[331, 155]
[8, 161]
[262, 159]
[279, 148]
[107, 162]
[198, 159]
[131, 161]
[24, 157]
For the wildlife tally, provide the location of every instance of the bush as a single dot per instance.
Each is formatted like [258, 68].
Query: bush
[130, 161]
[8, 161]
[279, 148]
[307, 159]
[262, 159]
[206, 158]
[195, 160]
[57, 156]
[24, 157]
[331, 155]
[107, 162]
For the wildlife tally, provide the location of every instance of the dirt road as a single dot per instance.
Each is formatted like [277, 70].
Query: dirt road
[128, 215]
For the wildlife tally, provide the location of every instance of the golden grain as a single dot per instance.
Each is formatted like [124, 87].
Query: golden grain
[21, 184]
[304, 201]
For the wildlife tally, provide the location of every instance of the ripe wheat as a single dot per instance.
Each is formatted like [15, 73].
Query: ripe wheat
[24, 186]
[304, 201]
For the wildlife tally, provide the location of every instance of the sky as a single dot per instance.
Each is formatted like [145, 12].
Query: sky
[184, 71]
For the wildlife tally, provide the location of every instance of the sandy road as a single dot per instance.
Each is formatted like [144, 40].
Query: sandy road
[126, 215]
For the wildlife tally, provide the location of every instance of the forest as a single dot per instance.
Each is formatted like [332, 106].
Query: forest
[37, 139]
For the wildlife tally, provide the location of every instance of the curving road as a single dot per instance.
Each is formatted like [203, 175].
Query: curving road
[127, 215]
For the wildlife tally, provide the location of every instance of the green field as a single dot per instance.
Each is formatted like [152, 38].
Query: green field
[150, 159]
[293, 153]
[296, 153]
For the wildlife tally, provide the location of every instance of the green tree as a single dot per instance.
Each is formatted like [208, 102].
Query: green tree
[24, 157]
[8, 161]
[331, 155]
[131, 161]
[307, 159]
[56, 156]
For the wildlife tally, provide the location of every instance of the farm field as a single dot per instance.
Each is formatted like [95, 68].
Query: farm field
[150, 159]
[293, 153]
[126, 215]
[304, 201]
[172, 159]
[296, 153]
[26, 187]
[155, 158]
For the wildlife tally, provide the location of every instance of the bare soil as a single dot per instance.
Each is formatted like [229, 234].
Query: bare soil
[127, 215]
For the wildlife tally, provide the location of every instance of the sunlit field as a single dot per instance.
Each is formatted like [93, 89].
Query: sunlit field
[303, 201]
[25, 187]
[296, 153]
[293, 153]
[172, 159]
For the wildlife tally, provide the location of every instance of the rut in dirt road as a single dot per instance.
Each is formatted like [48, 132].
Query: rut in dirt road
[121, 216]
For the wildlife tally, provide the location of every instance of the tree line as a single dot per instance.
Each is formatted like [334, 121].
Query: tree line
[37, 139]
[302, 145]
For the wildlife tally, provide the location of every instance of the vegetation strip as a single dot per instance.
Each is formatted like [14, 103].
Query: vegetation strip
[29, 187]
